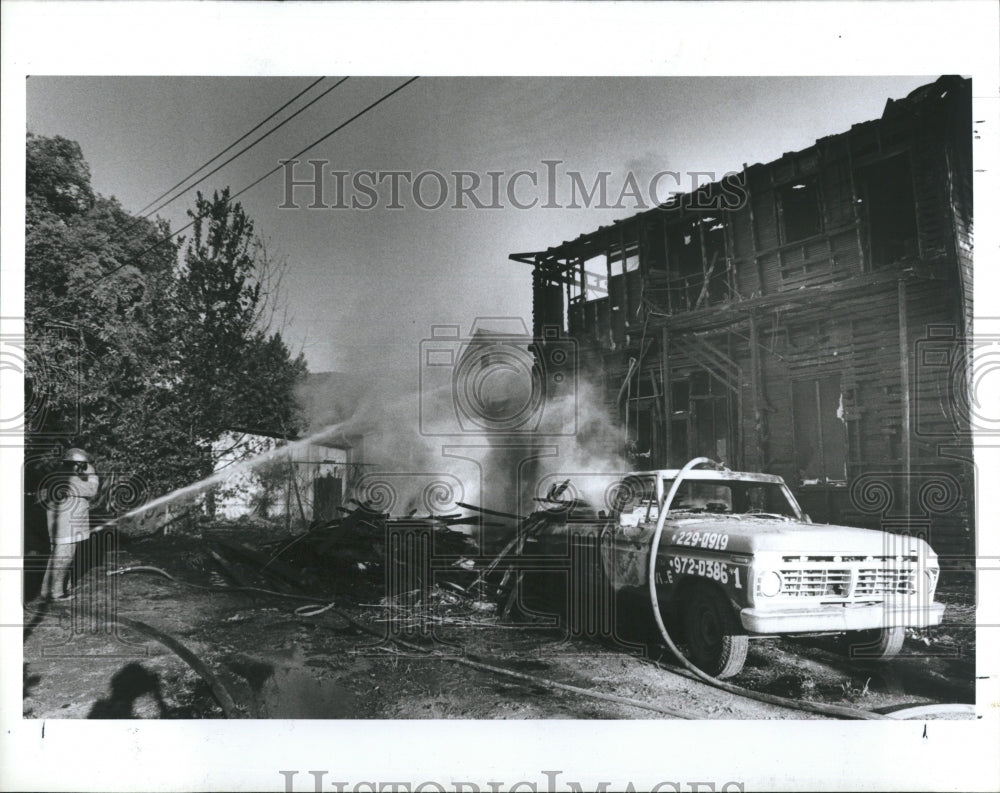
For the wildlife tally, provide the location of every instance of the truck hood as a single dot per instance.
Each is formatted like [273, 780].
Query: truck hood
[750, 534]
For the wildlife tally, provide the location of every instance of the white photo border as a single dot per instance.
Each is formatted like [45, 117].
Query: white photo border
[723, 38]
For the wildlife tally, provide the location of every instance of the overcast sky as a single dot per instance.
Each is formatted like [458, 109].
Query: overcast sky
[363, 287]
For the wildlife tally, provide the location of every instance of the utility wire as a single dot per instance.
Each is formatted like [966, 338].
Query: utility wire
[140, 216]
[327, 135]
[249, 146]
[316, 142]
[168, 191]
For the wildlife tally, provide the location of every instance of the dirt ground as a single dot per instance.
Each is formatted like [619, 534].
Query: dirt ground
[277, 664]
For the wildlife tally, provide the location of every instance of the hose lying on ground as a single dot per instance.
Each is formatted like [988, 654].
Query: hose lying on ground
[218, 689]
[207, 587]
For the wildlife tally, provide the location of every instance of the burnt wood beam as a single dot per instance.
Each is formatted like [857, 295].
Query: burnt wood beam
[755, 385]
[665, 377]
[904, 382]
[725, 313]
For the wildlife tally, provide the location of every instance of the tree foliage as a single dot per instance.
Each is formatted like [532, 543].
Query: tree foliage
[141, 347]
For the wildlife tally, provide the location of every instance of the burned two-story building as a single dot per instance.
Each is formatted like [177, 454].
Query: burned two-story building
[805, 317]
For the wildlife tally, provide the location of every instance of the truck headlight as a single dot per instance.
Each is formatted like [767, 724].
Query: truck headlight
[768, 583]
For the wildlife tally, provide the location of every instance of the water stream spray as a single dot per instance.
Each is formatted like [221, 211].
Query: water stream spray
[244, 465]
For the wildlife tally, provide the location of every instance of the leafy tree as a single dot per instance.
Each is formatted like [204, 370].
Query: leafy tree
[57, 176]
[233, 373]
[93, 274]
[133, 351]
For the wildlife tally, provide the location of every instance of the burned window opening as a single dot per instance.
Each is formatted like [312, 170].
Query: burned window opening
[654, 248]
[679, 442]
[680, 406]
[701, 420]
[548, 306]
[590, 280]
[715, 255]
[684, 251]
[642, 436]
[820, 430]
[799, 210]
[701, 384]
[697, 263]
[680, 391]
[890, 208]
[711, 422]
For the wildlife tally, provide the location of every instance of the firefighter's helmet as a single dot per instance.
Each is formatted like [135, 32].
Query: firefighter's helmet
[75, 455]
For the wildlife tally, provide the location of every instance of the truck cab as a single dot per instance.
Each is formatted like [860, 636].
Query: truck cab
[736, 558]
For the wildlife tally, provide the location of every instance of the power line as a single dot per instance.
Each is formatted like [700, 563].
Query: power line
[245, 135]
[140, 217]
[327, 135]
[248, 146]
[254, 183]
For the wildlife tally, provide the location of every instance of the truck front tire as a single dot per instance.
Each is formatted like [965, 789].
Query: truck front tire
[880, 644]
[716, 641]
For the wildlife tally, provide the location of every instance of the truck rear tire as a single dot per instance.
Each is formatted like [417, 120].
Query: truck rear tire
[880, 644]
[716, 641]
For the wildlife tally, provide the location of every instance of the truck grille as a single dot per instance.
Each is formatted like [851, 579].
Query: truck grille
[854, 582]
[885, 581]
[816, 583]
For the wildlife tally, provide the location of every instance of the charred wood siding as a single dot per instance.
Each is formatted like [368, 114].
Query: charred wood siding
[783, 331]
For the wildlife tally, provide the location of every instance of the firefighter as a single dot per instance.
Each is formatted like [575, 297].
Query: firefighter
[66, 497]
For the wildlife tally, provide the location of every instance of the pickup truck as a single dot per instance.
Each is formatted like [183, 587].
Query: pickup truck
[736, 558]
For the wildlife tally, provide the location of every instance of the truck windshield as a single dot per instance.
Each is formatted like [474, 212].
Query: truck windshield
[731, 498]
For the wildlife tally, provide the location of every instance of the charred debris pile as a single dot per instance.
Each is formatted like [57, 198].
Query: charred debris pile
[403, 562]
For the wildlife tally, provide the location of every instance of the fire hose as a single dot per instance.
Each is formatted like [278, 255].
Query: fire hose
[222, 695]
